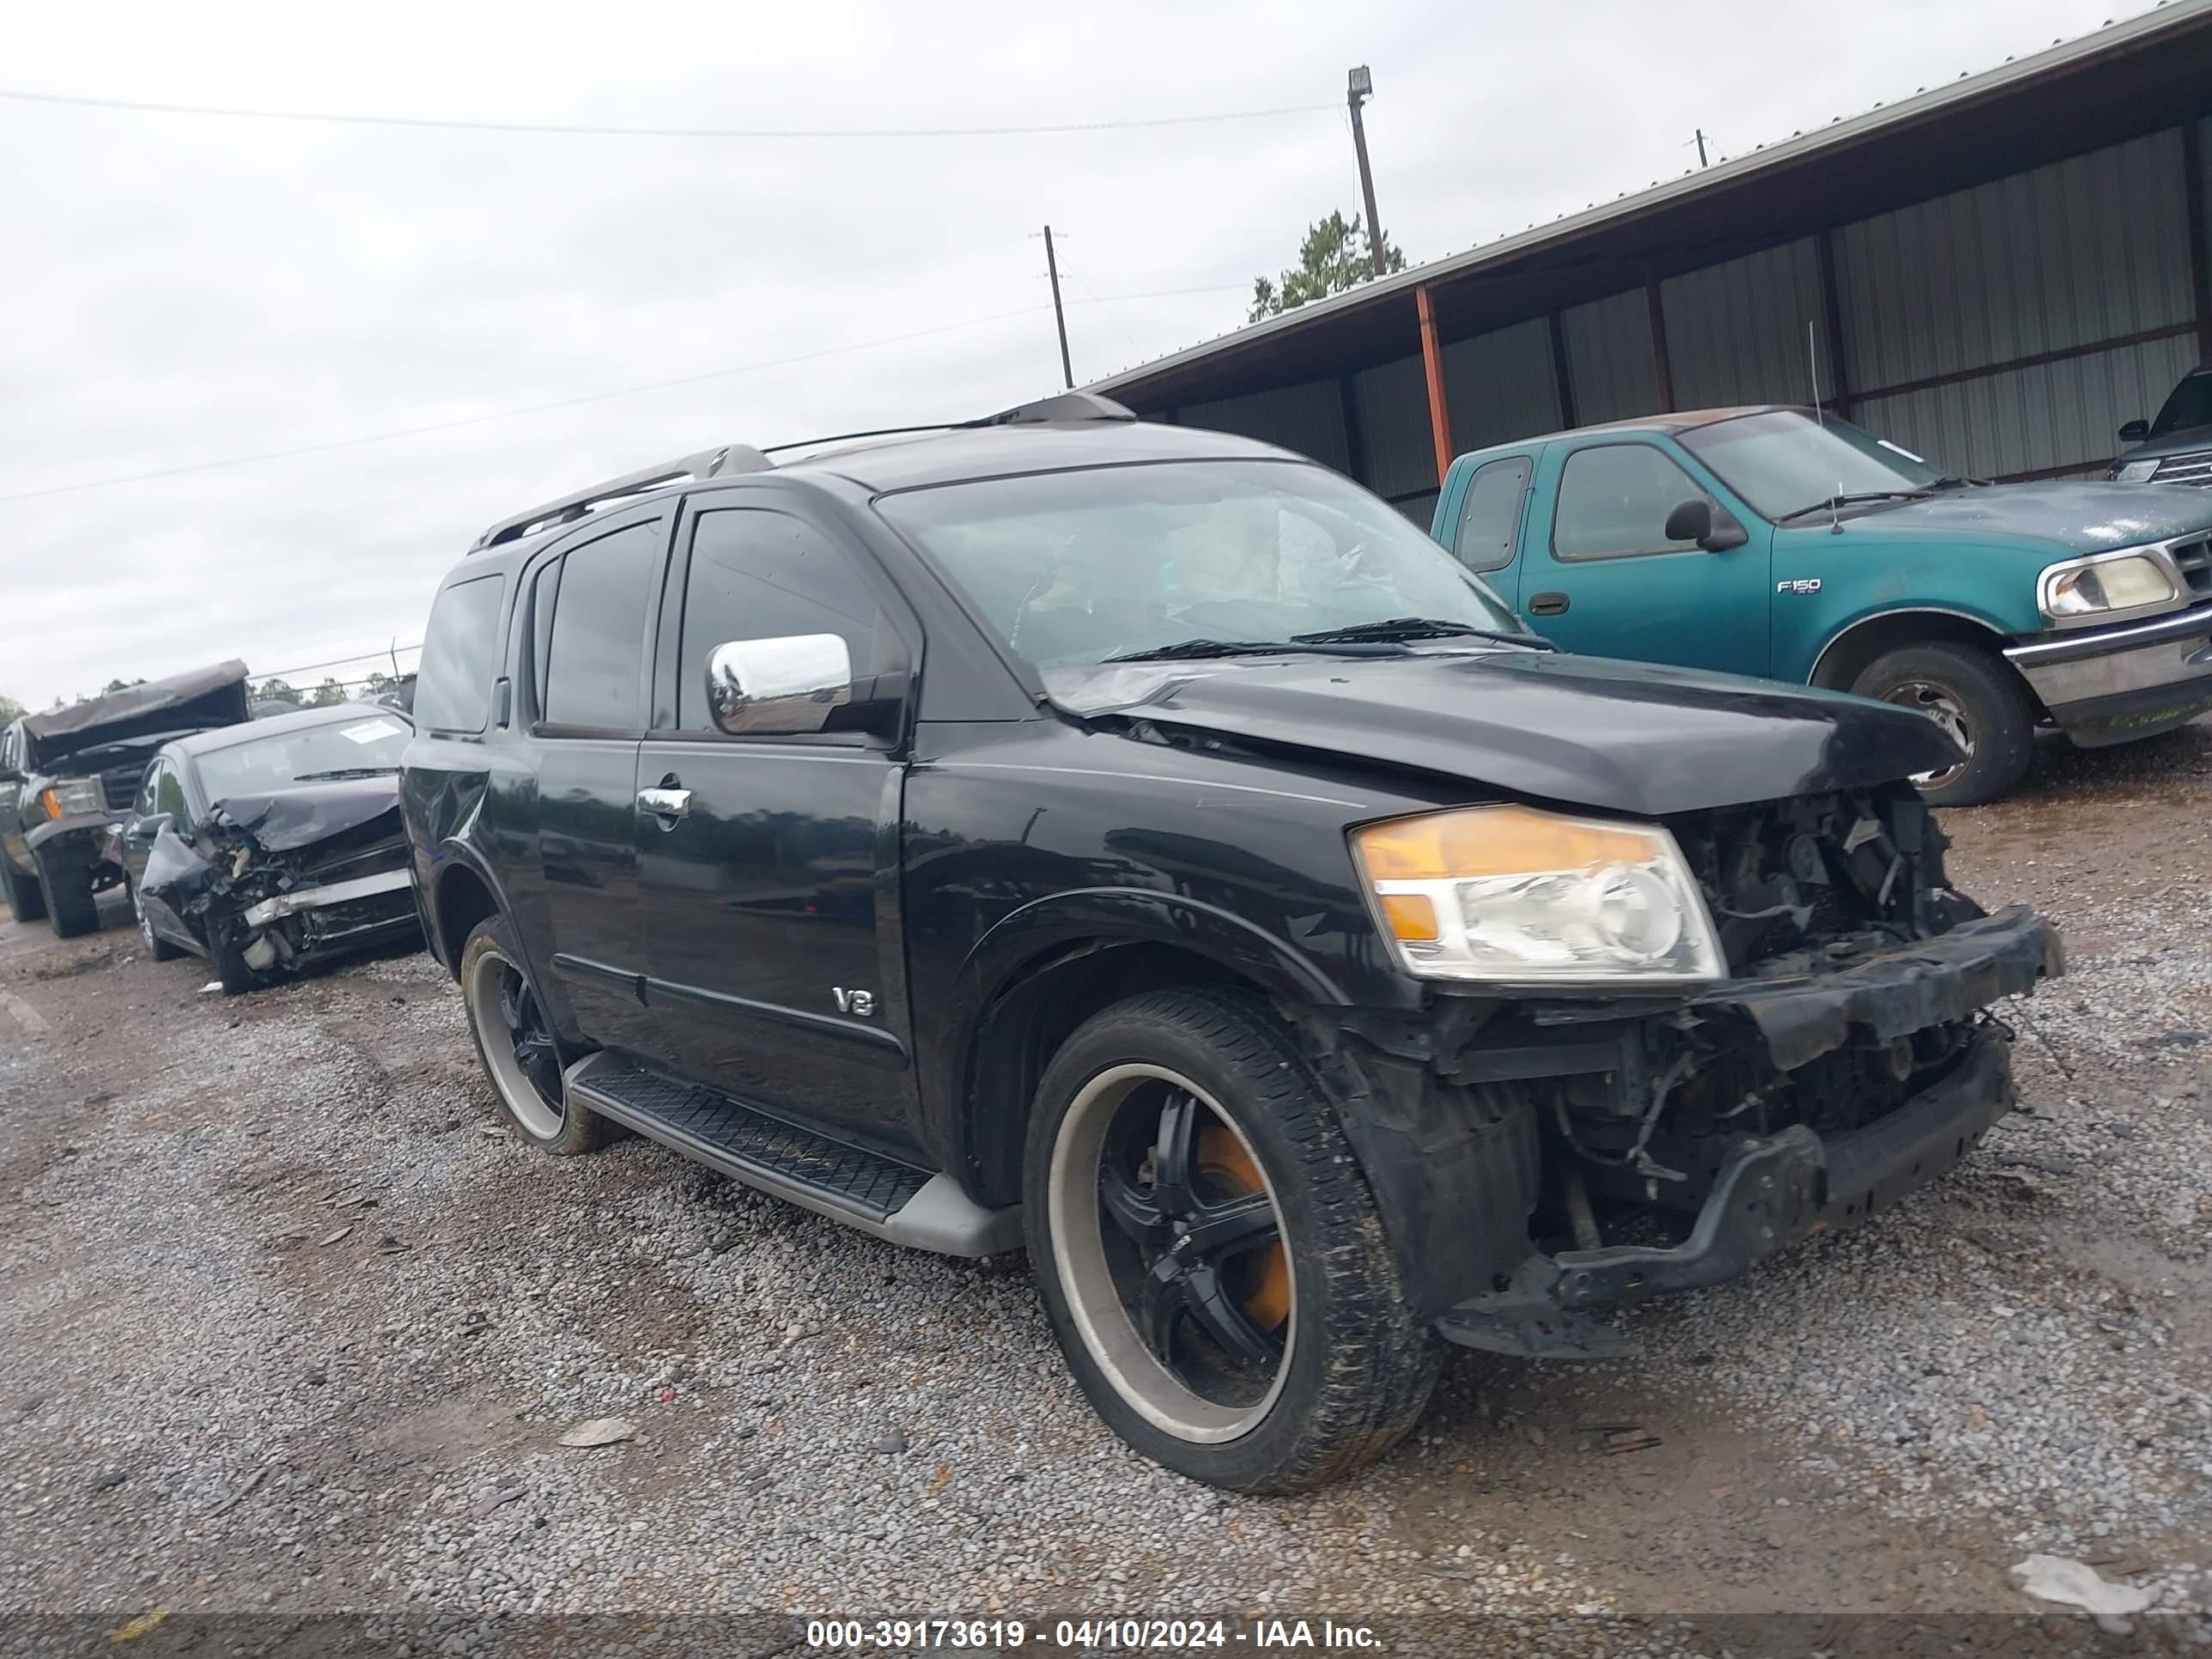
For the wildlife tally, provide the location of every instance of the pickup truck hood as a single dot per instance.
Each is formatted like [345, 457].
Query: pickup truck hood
[2086, 518]
[1627, 736]
[183, 702]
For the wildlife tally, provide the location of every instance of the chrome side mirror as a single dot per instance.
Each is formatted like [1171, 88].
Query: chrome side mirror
[789, 684]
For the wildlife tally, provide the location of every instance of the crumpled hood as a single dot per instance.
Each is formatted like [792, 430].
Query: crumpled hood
[283, 820]
[1589, 731]
[2086, 518]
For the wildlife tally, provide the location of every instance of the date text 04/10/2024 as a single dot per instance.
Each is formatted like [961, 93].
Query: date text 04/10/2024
[999, 1635]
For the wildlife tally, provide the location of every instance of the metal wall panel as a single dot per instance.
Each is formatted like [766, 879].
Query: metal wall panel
[1500, 387]
[1308, 418]
[1736, 332]
[2085, 249]
[2064, 415]
[1609, 358]
[1392, 405]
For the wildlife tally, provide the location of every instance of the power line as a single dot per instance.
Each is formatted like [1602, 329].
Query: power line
[559, 404]
[340, 662]
[442, 124]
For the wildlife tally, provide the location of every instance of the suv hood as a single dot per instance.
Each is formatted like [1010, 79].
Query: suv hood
[182, 702]
[2179, 441]
[2087, 518]
[1629, 736]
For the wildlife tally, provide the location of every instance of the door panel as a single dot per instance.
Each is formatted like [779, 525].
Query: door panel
[586, 791]
[773, 960]
[1610, 585]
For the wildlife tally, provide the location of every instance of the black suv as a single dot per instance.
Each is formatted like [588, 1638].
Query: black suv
[1145, 845]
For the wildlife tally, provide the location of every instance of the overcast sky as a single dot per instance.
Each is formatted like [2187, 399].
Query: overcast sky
[181, 290]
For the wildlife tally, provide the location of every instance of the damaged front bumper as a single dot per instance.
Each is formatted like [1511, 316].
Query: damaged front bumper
[339, 892]
[1765, 1191]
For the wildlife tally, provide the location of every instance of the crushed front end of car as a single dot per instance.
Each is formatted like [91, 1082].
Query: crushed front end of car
[277, 883]
[1651, 1143]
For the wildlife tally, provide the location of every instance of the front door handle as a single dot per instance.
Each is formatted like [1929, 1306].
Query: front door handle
[667, 804]
[1547, 605]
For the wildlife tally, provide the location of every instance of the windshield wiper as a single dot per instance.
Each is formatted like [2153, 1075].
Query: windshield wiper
[1419, 627]
[346, 772]
[1193, 649]
[1863, 496]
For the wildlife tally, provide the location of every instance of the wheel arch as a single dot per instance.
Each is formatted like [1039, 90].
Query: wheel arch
[1040, 973]
[463, 894]
[1854, 647]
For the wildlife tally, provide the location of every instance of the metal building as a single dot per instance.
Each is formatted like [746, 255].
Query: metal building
[1995, 273]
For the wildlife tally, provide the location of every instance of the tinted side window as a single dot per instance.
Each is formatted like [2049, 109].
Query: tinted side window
[597, 652]
[1614, 500]
[759, 575]
[1489, 521]
[460, 656]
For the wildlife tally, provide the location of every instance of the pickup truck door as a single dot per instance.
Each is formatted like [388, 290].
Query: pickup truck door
[1602, 578]
[13, 848]
[768, 860]
[1489, 513]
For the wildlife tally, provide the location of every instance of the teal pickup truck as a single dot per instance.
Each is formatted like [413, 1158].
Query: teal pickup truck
[1771, 541]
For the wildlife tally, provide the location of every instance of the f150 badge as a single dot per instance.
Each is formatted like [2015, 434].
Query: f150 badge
[1799, 585]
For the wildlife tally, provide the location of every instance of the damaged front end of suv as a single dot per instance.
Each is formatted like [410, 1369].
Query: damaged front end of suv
[268, 885]
[1834, 1046]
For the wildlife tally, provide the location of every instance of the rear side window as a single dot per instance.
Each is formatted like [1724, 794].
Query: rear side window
[460, 656]
[1614, 500]
[759, 575]
[1490, 519]
[595, 658]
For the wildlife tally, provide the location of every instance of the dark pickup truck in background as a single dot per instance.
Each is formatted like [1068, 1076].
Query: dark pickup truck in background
[68, 776]
[1143, 844]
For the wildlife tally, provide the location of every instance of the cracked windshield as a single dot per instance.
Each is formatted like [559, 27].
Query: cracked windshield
[1194, 559]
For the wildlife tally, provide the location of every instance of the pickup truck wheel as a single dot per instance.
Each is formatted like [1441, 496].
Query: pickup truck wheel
[1973, 697]
[515, 1041]
[1212, 1260]
[27, 900]
[71, 906]
[157, 948]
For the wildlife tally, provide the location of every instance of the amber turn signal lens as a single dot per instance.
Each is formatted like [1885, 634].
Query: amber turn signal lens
[1491, 840]
[1412, 916]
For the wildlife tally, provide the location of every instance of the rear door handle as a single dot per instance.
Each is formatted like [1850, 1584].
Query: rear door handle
[665, 803]
[1547, 605]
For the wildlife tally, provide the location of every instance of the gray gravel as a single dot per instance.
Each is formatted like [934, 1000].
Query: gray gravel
[286, 1327]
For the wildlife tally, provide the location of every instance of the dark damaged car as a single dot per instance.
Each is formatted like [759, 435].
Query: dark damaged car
[67, 777]
[274, 846]
[1143, 845]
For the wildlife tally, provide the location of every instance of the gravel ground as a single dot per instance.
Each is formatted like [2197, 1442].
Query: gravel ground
[289, 1324]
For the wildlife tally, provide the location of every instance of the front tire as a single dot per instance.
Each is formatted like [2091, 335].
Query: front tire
[27, 900]
[515, 1042]
[1212, 1260]
[71, 906]
[1976, 698]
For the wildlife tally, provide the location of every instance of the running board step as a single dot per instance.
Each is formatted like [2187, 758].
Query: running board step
[894, 1201]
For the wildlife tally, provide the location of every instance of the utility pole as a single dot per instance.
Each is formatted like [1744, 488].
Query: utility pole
[1360, 87]
[1701, 146]
[1059, 316]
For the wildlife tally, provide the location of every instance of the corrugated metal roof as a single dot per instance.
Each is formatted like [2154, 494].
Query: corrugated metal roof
[1839, 135]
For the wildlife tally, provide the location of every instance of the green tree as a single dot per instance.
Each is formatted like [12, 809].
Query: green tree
[1336, 255]
[10, 710]
[274, 691]
[330, 691]
[115, 685]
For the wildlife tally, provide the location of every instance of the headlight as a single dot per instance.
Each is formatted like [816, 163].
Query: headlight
[2108, 582]
[2136, 472]
[1512, 895]
[72, 796]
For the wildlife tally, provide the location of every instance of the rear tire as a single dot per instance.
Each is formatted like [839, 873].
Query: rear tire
[1262, 1348]
[1974, 697]
[515, 1042]
[71, 906]
[27, 900]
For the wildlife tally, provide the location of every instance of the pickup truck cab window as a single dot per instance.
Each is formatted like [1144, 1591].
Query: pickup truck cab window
[1614, 500]
[1489, 522]
[594, 672]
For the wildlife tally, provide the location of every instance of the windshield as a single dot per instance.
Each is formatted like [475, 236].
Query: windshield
[1072, 569]
[366, 745]
[2189, 405]
[1784, 461]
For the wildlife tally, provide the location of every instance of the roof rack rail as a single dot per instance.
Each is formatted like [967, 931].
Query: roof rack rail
[1065, 406]
[730, 458]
